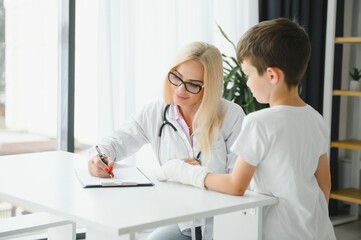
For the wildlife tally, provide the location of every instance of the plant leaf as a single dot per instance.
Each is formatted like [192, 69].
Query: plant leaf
[226, 37]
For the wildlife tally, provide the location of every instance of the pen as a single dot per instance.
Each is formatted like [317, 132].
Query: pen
[198, 158]
[102, 157]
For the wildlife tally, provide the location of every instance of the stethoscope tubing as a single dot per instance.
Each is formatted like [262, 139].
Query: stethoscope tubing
[166, 122]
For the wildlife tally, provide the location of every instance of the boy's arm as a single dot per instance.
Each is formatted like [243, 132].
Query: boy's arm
[235, 183]
[323, 176]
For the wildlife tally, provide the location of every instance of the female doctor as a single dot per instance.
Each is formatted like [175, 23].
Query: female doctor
[193, 123]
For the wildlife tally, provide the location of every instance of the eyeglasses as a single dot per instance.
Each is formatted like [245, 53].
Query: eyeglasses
[190, 87]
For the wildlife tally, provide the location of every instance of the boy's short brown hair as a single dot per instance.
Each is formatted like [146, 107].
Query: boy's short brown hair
[280, 43]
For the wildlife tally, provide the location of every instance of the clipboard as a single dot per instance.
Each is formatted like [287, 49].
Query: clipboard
[123, 177]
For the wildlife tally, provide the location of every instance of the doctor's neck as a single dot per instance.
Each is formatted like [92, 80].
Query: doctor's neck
[188, 113]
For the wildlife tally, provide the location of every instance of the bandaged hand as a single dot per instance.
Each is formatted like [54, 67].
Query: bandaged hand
[176, 170]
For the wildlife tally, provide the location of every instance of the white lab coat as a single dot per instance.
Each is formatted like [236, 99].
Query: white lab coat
[144, 128]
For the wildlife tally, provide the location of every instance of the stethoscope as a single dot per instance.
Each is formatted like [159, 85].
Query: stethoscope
[166, 122]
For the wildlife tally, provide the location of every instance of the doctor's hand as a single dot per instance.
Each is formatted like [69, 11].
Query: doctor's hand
[97, 168]
[177, 170]
[191, 161]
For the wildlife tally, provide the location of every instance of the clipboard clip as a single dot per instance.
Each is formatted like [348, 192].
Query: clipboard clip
[118, 183]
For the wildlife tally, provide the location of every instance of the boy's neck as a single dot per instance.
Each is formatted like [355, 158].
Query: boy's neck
[285, 96]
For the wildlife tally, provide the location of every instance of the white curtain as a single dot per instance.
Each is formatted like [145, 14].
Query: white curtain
[138, 40]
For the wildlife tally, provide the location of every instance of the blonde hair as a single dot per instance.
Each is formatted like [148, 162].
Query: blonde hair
[208, 118]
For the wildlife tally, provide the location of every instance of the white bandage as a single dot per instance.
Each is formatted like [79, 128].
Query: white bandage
[176, 170]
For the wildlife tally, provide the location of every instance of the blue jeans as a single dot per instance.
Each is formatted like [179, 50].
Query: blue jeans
[170, 232]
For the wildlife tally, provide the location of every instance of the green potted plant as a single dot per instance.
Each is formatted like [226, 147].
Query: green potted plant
[235, 88]
[355, 75]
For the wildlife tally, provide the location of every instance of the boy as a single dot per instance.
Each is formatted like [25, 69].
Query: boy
[282, 149]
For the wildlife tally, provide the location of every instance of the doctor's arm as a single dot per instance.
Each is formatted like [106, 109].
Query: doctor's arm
[235, 183]
[323, 176]
[125, 141]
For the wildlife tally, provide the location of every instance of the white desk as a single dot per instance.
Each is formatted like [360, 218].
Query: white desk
[46, 182]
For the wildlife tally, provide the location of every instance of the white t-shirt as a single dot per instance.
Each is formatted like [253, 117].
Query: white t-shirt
[285, 144]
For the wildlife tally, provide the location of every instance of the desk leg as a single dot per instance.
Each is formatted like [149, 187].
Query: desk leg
[93, 234]
[62, 232]
[245, 224]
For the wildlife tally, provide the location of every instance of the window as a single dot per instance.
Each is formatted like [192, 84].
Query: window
[28, 75]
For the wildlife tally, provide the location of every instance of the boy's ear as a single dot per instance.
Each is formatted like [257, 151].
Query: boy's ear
[274, 74]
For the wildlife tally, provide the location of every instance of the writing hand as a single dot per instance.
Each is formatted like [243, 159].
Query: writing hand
[98, 168]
